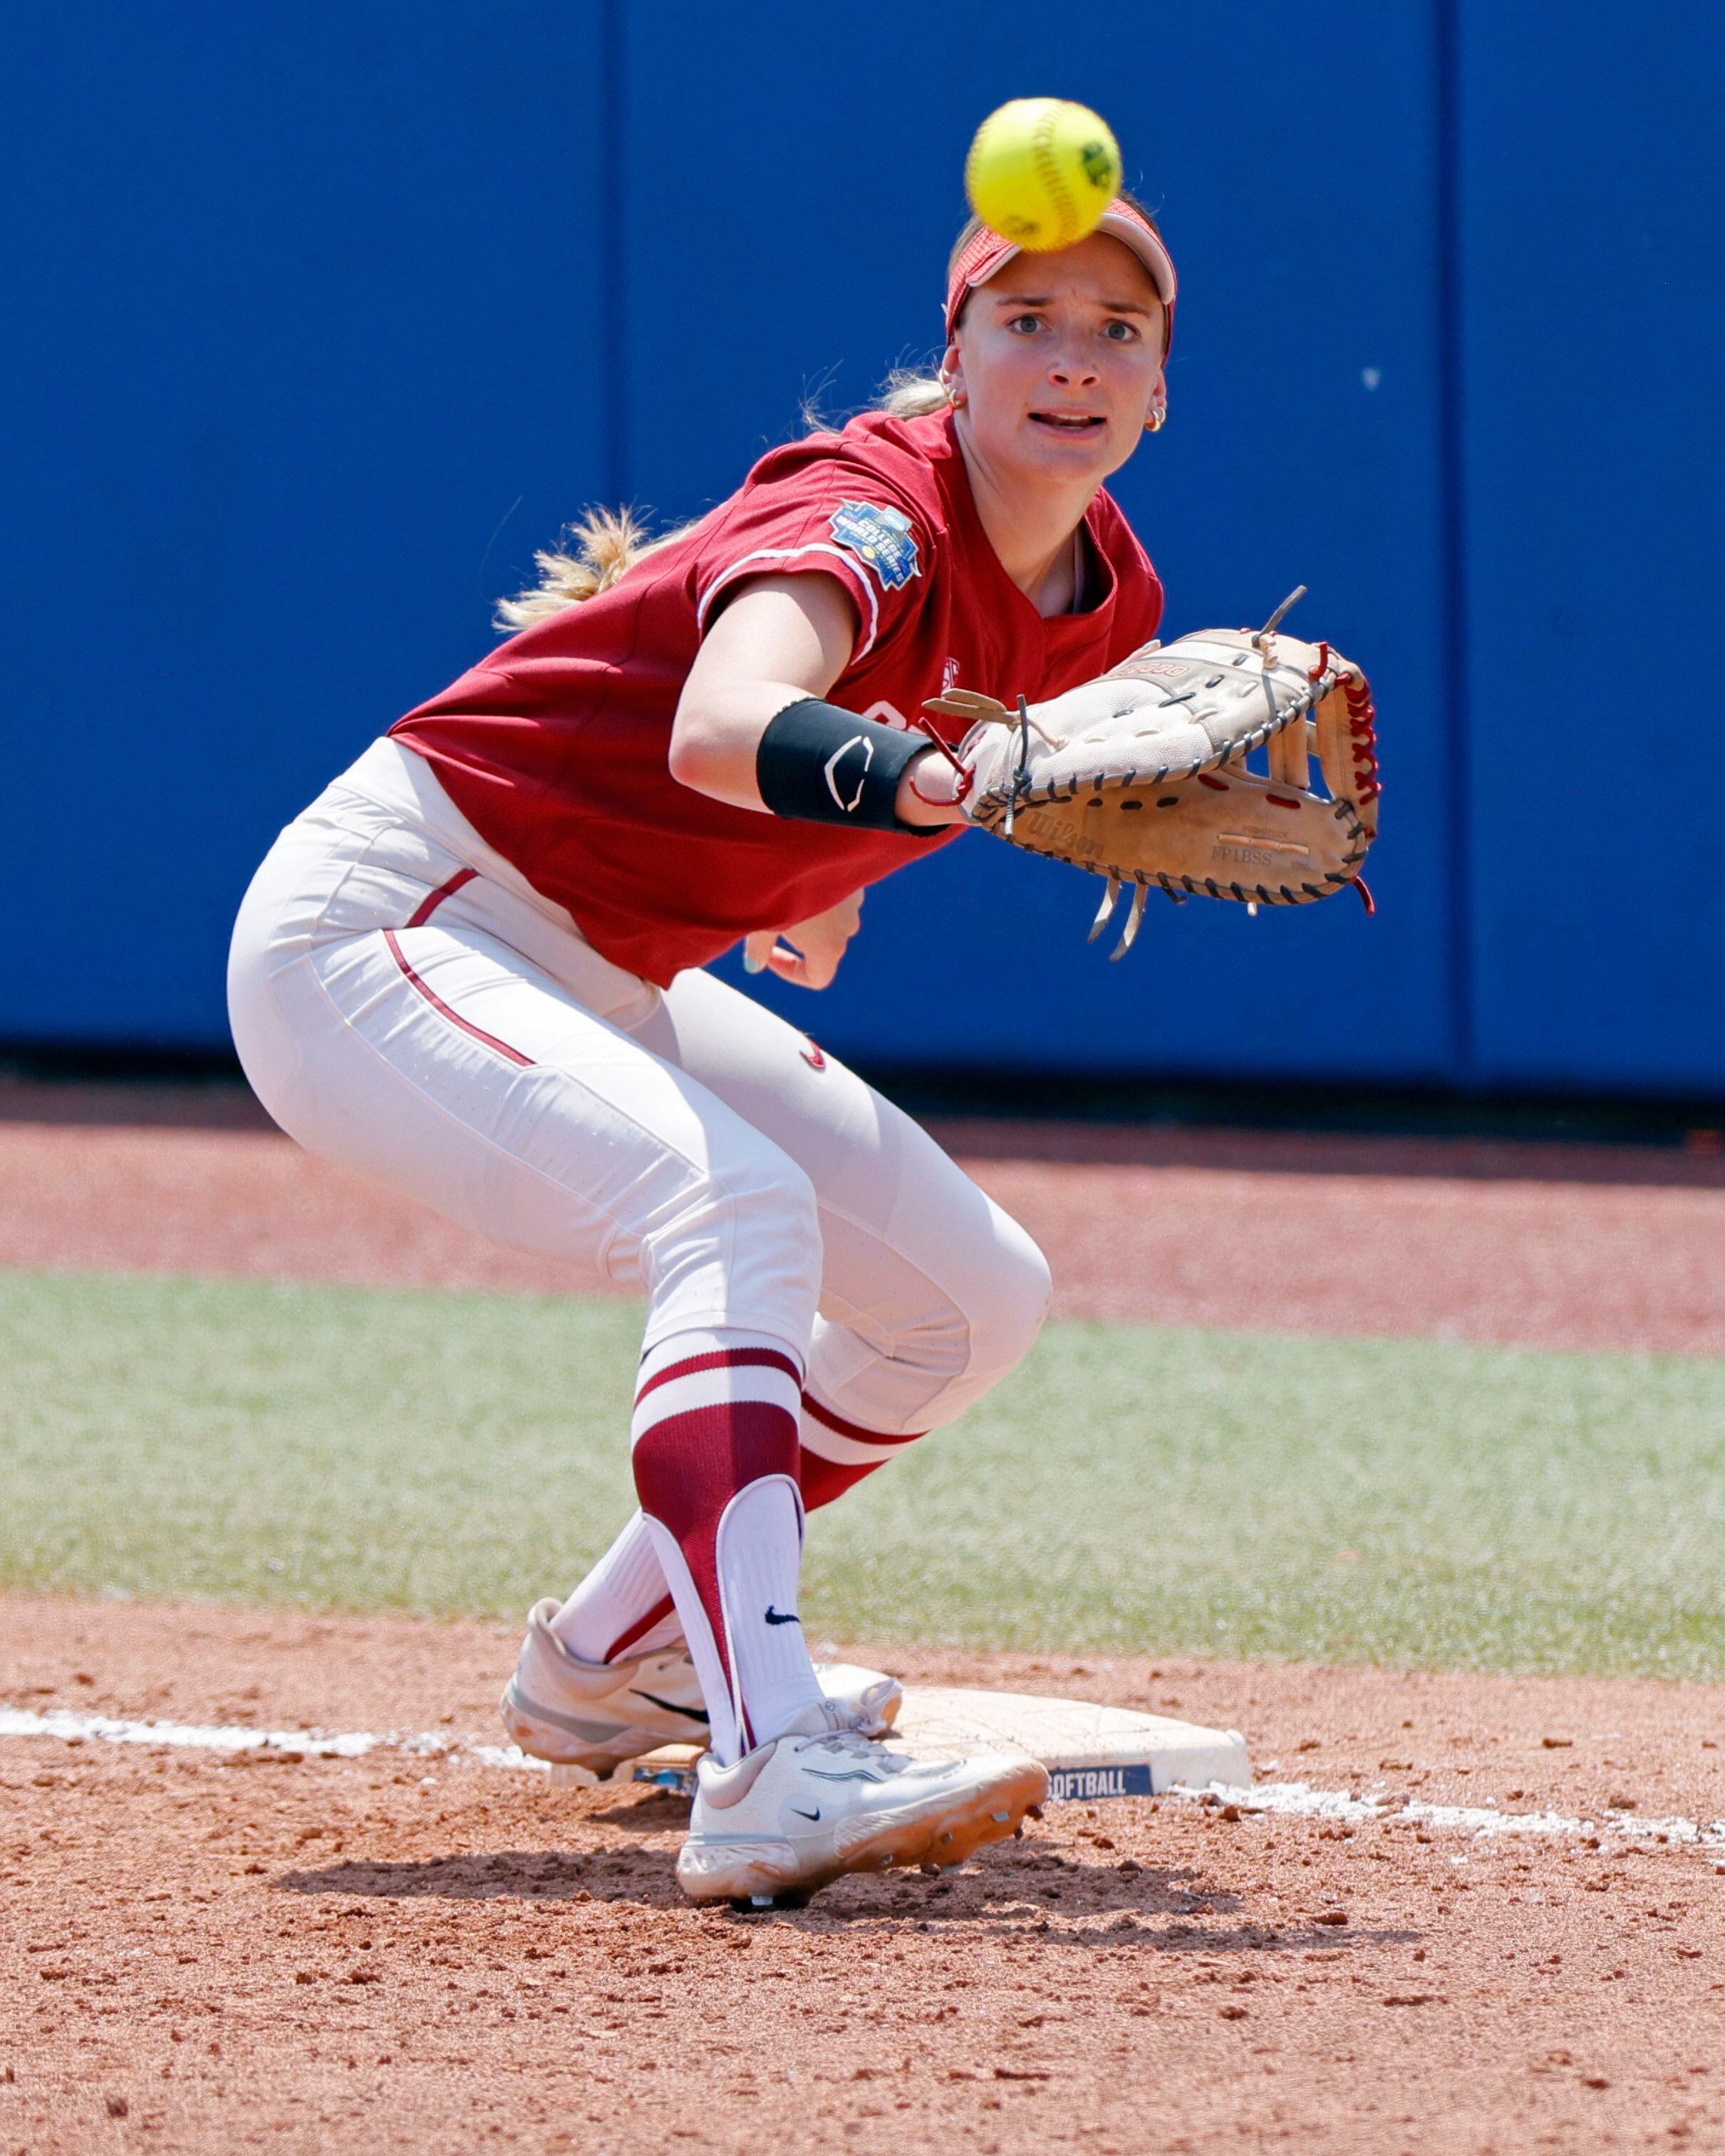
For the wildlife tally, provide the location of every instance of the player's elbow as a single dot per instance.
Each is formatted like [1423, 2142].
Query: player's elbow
[714, 740]
[695, 753]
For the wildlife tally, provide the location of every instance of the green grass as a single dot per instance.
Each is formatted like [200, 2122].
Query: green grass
[1137, 1489]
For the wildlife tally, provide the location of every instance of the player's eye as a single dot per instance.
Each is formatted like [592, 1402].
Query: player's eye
[1025, 325]
[1121, 332]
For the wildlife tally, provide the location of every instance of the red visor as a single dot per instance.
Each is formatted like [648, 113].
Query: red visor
[986, 253]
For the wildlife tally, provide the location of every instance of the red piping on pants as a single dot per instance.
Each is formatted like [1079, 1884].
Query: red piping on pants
[427, 907]
[477, 1033]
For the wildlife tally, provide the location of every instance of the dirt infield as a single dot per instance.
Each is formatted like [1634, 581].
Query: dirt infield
[429, 1953]
[1540, 1245]
[418, 1949]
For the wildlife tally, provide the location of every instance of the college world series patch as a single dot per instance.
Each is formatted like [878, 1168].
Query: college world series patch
[882, 538]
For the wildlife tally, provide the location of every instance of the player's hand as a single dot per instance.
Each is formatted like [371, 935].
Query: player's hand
[820, 944]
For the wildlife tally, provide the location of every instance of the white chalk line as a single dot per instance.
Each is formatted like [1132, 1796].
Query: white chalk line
[1300, 1800]
[232, 1737]
[1285, 1799]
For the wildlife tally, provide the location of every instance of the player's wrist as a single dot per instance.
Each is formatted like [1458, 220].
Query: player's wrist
[818, 764]
[930, 791]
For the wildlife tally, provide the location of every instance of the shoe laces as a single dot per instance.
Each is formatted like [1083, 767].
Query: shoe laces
[849, 1744]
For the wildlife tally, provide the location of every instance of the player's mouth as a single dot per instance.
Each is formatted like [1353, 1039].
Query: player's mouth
[1069, 422]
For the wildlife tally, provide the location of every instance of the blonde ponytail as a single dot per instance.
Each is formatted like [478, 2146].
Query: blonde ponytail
[906, 394]
[596, 550]
[604, 544]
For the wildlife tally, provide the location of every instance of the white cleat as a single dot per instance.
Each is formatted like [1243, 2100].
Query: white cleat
[601, 1715]
[820, 1800]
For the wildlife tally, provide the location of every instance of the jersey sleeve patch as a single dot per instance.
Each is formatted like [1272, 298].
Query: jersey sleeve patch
[881, 539]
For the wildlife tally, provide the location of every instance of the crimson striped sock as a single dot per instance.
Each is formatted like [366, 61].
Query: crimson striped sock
[836, 1454]
[714, 1457]
[622, 1607]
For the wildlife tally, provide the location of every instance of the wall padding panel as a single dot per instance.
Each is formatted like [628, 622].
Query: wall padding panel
[312, 316]
[1593, 224]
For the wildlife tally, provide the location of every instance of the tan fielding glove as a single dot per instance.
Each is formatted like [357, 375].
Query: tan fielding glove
[1141, 777]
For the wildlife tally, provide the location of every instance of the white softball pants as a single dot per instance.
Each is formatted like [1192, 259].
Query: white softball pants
[406, 1005]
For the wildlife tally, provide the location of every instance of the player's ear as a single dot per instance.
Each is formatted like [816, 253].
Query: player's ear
[1156, 417]
[952, 377]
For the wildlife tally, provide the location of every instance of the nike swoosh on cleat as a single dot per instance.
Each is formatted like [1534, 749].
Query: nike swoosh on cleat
[670, 1706]
[801, 1814]
[778, 1617]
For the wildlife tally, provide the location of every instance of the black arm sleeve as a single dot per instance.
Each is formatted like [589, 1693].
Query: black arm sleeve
[821, 765]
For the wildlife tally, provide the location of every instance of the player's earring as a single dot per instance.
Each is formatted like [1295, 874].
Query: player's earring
[1157, 419]
[957, 398]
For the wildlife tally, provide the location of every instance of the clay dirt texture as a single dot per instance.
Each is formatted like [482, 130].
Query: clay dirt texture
[424, 1950]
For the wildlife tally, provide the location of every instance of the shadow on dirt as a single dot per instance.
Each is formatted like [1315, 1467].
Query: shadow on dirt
[498, 1875]
[1040, 1895]
[660, 1813]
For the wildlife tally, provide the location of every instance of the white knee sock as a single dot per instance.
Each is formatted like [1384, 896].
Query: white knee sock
[624, 1606]
[760, 1563]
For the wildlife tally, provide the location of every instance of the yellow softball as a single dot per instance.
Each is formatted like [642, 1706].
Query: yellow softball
[1041, 171]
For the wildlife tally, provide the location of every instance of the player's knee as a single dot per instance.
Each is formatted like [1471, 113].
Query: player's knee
[1009, 1316]
[988, 1328]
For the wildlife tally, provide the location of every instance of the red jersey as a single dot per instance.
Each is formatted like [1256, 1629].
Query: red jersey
[556, 747]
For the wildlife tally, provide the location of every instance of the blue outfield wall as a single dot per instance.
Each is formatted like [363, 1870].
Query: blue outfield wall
[313, 325]
[322, 321]
[1593, 471]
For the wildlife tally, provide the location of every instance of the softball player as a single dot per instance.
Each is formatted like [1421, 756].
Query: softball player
[472, 969]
